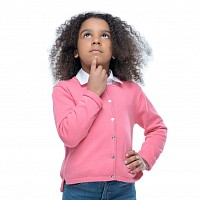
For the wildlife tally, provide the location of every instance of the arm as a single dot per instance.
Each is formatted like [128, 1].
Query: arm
[155, 136]
[155, 130]
[74, 121]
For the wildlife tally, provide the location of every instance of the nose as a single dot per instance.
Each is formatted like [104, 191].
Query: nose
[96, 41]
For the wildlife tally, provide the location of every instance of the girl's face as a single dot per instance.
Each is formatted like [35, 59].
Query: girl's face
[94, 40]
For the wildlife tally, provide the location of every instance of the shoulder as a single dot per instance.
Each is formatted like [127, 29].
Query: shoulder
[131, 85]
[67, 83]
[70, 88]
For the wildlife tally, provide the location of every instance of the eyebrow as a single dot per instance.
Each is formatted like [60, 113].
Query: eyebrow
[90, 30]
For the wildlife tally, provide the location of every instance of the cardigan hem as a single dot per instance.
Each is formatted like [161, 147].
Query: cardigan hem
[100, 179]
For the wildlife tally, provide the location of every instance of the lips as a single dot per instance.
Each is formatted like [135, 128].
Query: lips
[96, 51]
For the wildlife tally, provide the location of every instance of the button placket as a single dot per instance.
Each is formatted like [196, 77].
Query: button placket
[113, 137]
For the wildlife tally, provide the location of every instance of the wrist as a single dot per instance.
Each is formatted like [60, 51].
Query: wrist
[96, 92]
[146, 164]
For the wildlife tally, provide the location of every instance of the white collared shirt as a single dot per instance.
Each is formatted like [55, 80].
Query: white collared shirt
[83, 77]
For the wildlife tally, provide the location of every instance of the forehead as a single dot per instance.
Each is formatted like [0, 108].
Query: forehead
[95, 24]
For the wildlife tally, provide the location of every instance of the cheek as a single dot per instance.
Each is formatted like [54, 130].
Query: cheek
[81, 49]
[82, 46]
[110, 49]
[110, 46]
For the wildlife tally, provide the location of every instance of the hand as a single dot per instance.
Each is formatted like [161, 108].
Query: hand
[134, 162]
[97, 79]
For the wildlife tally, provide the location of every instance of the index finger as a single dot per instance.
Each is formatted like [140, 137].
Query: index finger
[93, 65]
[131, 153]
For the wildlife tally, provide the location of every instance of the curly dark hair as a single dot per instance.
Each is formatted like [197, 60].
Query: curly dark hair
[129, 49]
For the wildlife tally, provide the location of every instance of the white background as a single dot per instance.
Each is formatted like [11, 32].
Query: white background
[30, 149]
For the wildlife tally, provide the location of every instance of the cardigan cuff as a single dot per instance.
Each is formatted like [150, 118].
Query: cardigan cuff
[95, 97]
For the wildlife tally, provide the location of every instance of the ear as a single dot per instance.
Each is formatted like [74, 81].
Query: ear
[75, 54]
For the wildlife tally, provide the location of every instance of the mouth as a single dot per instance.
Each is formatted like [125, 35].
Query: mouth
[96, 51]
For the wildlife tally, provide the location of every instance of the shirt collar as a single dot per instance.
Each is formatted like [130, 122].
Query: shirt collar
[83, 77]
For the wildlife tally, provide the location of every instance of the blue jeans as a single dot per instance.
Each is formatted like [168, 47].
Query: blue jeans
[111, 190]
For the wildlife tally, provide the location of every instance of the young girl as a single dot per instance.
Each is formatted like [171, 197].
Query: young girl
[97, 59]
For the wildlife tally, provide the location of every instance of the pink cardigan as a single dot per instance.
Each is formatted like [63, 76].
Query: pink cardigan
[97, 131]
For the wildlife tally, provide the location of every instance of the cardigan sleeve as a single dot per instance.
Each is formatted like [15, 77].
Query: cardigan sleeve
[155, 130]
[73, 121]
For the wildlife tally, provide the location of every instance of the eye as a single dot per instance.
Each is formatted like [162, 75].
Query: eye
[87, 35]
[104, 35]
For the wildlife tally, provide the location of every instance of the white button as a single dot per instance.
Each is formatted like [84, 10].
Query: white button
[112, 156]
[109, 101]
[113, 119]
[112, 176]
[113, 137]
